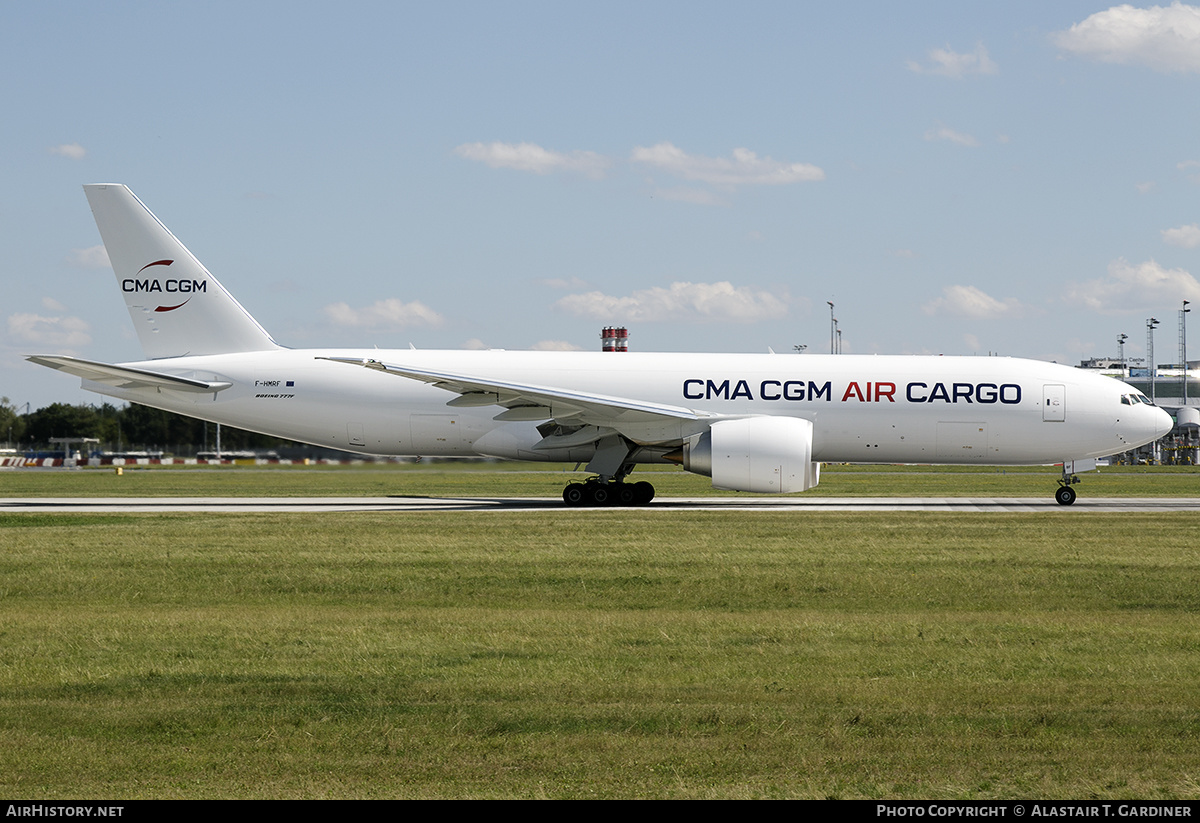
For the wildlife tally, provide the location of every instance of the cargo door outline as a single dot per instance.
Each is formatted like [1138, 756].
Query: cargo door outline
[962, 441]
[439, 433]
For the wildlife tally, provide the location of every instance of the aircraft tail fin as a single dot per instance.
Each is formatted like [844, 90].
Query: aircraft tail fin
[177, 306]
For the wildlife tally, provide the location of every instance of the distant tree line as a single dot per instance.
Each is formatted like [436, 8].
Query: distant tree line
[129, 428]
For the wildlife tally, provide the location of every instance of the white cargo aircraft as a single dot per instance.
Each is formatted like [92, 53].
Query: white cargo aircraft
[756, 423]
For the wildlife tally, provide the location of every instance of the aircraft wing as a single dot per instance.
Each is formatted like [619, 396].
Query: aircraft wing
[123, 377]
[533, 402]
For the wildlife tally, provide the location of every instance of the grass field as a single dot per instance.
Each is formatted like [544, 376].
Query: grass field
[478, 479]
[544, 654]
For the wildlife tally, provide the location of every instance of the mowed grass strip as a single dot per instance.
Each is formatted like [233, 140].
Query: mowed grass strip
[500, 480]
[622, 654]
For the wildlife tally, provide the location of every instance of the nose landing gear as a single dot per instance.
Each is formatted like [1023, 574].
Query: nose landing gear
[1064, 495]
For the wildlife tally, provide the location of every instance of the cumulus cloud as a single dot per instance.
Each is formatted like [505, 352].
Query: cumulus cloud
[971, 301]
[49, 331]
[941, 132]
[949, 63]
[384, 314]
[1187, 237]
[93, 257]
[555, 345]
[680, 301]
[71, 150]
[742, 169]
[1164, 38]
[1132, 287]
[533, 158]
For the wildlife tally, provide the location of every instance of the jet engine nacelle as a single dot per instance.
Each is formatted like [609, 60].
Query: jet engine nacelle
[755, 454]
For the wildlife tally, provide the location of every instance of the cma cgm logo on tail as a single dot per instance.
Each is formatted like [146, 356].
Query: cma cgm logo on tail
[136, 285]
[855, 391]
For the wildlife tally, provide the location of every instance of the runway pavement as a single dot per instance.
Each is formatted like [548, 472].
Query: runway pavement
[128, 505]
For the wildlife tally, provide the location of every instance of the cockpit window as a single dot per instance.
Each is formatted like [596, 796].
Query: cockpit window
[1125, 401]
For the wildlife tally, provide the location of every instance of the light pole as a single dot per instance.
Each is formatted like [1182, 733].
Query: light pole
[1151, 324]
[832, 326]
[1183, 346]
[800, 348]
[1121, 338]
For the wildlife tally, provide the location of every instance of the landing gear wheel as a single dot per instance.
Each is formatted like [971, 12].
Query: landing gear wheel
[1064, 495]
[595, 493]
[643, 491]
[575, 494]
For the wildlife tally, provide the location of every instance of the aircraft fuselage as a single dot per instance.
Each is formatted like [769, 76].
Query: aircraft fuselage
[888, 409]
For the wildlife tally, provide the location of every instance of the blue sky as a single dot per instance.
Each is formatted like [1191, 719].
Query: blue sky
[1020, 178]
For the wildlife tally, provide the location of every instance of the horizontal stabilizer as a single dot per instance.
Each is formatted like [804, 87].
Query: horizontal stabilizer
[123, 377]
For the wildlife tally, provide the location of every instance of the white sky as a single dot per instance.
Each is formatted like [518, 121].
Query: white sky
[1021, 178]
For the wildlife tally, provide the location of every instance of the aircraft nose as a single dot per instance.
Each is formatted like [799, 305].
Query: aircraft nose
[1162, 423]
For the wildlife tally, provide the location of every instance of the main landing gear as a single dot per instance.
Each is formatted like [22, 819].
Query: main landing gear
[611, 464]
[1064, 495]
[616, 493]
